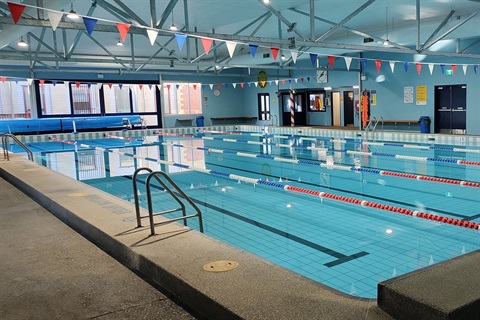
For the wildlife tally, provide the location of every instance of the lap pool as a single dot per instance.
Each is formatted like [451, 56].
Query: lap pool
[345, 212]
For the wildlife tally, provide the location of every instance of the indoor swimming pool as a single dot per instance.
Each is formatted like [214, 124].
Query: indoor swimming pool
[344, 212]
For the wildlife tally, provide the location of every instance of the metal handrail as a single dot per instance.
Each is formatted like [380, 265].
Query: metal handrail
[184, 217]
[5, 137]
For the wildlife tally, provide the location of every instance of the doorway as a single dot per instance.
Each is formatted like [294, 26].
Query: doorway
[336, 110]
[300, 110]
[348, 120]
[450, 109]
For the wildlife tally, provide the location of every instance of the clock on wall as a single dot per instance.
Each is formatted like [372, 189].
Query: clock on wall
[322, 76]
[216, 93]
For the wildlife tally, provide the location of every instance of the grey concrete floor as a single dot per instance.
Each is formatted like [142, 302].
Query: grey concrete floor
[48, 271]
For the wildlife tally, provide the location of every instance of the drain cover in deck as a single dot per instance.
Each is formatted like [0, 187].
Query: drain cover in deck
[220, 266]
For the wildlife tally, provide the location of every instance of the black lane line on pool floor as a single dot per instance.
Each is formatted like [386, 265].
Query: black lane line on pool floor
[341, 258]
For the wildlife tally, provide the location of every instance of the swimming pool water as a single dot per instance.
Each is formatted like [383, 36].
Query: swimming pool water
[348, 247]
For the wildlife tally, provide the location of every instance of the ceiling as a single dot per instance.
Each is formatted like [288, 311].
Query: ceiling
[446, 28]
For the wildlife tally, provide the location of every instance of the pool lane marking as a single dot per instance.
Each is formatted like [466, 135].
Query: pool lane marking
[418, 214]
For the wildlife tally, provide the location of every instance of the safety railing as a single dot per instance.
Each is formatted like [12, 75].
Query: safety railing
[168, 188]
[372, 125]
[5, 137]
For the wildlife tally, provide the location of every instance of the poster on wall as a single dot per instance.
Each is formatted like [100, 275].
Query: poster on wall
[421, 95]
[373, 97]
[408, 95]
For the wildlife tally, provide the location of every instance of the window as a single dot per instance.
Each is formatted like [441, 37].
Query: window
[182, 98]
[263, 106]
[316, 101]
[54, 99]
[143, 98]
[14, 99]
[117, 98]
[86, 98]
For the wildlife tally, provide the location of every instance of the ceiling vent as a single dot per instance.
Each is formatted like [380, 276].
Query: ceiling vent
[367, 40]
[266, 55]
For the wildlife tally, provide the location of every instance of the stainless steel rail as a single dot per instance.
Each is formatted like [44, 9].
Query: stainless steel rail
[168, 187]
[5, 137]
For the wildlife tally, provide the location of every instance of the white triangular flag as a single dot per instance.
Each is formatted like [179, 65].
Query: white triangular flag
[29, 80]
[159, 86]
[430, 67]
[294, 56]
[55, 18]
[99, 85]
[465, 69]
[152, 35]
[296, 80]
[348, 61]
[392, 66]
[211, 86]
[234, 85]
[256, 84]
[276, 82]
[231, 47]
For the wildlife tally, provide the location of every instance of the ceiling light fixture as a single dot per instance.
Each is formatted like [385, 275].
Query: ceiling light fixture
[22, 43]
[119, 43]
[72, 14]
[266, 1]
[173, 27]
[386, 42]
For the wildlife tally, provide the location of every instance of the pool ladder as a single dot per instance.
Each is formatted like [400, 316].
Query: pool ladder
[157, 175]
[372, 125]
[5, 137]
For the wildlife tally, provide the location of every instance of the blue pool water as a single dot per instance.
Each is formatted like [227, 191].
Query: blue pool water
[342, 245]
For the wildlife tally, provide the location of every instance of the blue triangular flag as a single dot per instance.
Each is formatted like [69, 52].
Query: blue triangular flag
[180, 40]
[54, 82]
[289, 80]
[270, 83]
[150, 86]
[177, 85]
[249, 84]
[253, 49]
[89, 24]
[313, 58]
[226, 85]
[120, 86]
[475, 68]
[406, 64]
[308, 78]
[363, 63]
[442, 66]
[16, 80]
[89, 85]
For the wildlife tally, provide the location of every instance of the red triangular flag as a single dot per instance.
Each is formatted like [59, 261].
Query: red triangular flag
[110, 85]
[419, 68]
[77, 83]
[3, 79]
[41, 81]
[331, 61]
[207, 43]
[168, 86]
[378, 65]
[123, 29]
[283, 81]
[302, 79]
[16, 10]
[274, 52]
[454, 68]
[140, 86]
[219, 85]
[194, 87]
[242, 84]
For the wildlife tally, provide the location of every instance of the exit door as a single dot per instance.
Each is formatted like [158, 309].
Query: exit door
[450, 108]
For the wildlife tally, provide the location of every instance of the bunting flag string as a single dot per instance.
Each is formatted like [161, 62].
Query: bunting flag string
[419, 68]
[55, 16]
[378, 65]
[392, 66]
[430, 67]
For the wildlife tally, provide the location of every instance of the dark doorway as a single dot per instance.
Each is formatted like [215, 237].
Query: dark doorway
[450, 108]
[348, 109]
[300, 109]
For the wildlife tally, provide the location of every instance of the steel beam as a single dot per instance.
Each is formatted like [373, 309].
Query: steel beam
[290, 25]
[440, 26]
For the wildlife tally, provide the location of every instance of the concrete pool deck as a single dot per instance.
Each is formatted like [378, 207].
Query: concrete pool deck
[174, 258]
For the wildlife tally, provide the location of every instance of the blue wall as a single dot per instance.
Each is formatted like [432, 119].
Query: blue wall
[390, 103]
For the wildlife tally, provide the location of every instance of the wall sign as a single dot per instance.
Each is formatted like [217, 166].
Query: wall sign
[408, 95]
[421, 96]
